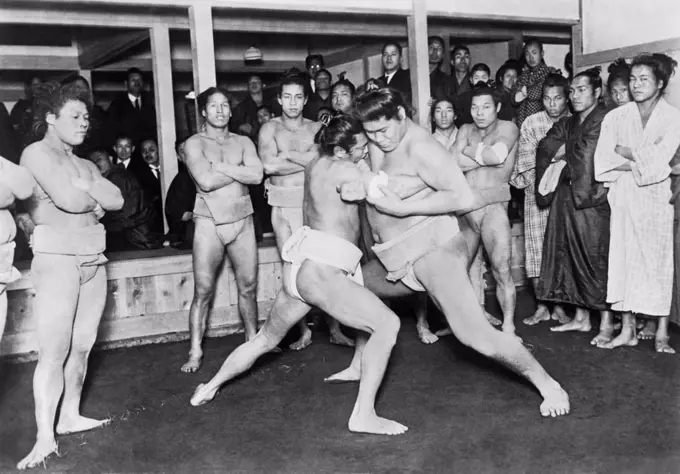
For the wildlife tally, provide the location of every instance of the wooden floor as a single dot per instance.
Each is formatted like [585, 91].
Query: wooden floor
[465, 414]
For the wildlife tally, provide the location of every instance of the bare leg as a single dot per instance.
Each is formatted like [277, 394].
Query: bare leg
[353, 372]
[208, 256]
[542, 312]
[375, 280]
[282, 232]
[497, 240]
[475, 261]
[648, 331]
[57, 286]
[606, 329]
[242, 253]
[581, 322]
[337, 336]
[422, 326]
[662, 337]
[353, 305]
[284, 314]
[627, 337]
[441, 270]
[88, 315]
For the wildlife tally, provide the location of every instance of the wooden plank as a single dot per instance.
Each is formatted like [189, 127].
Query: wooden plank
[306, 25]
[221, 65]
[418, 60]
[502, 18]
[38, 63]
[202, 47]
[446, 62]
[94, 52]
[576, 48]
[609, 55]
[165, 109]
[352, 53]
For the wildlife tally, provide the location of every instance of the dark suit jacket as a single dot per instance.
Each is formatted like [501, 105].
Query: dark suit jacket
[137, 124]
[401, 81]
[152, 190]
[441, 84]
[314, 103]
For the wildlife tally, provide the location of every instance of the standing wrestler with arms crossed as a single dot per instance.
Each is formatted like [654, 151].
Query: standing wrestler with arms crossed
[322, 268]
[67, 269]
[485, 151]
[15, 183]
[286, 146]
[419, 245]
[222, 164]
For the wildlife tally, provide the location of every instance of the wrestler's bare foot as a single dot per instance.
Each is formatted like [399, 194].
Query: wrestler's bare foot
[304, 341]
[573, 325]
[559, 315]
[350, 374]
[337, 337]
[78, 424]
[541, 314]
[425, 335]
[605, 336]
[648, 331]
[625, 338]
[373, 424]
[494, 321]
[661, 345]
[555, 402]
[202, 395]
[444, 332]
[193, 364]
[39, 454]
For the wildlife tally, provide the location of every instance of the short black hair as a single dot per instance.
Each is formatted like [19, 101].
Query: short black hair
[344, 82]
[293, 79]
[432, 39]
[204, 96]
[381, 103]
[662, 65]
[324, 71]
[459, 47]
[133, 70]
[482, 88]
[340, 131]
[391, 43]
[556, 80]
[312, 57]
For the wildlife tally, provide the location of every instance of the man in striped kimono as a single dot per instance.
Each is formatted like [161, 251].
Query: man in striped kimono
[534, 129]
[637, 142]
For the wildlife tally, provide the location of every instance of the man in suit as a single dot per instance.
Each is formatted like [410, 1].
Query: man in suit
[322, 97]
[394, 76]
[133, 113]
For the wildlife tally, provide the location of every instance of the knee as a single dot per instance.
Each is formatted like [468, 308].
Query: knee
[204, 291]
[480, 341]
[247, 285]
[388, 329]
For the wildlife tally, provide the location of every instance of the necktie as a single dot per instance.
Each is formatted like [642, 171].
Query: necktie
[137, 103]
[155, 172]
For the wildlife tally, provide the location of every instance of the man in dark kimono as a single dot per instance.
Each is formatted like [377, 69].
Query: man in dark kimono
[179, 204]
[576, 243]
[441, 84]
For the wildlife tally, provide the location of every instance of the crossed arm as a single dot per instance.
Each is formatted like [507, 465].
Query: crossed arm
[16, 179]
[275, 163]
[250, 172]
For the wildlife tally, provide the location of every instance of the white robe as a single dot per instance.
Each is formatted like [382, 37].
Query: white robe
[640, 277]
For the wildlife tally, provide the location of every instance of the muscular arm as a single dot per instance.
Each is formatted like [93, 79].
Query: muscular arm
[206, 178]
[250, 172]
[493, 155]
[439, 172]
[16, 178]
[107, 194]
[6, 196]
[301, 158]
[275, 164]
[462, 152]
[56, 182]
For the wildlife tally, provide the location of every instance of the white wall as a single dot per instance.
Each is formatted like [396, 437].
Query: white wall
[562, 9]
[611, 24]
[491, 54]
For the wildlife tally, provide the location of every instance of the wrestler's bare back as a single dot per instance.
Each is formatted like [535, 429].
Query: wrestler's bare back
[323, 208]
[230, 151]
[490, 176]
[41, 208]
[288, 139]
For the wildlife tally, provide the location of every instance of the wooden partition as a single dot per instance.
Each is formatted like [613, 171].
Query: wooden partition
[149, 294]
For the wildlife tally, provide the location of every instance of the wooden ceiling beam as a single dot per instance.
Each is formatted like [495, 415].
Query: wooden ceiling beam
[95, 52]
[221, 65]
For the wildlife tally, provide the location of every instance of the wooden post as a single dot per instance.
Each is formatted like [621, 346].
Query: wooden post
[165, 108]
[202, 50]
[418, 60]
[446, 62]
[516, 47]
[87, 74]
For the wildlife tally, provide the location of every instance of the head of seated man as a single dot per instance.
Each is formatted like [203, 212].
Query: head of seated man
[313, 63]
[618, 82]
[179, 149]
[123, 149]
[264, 114]
[385, 116]
[103, 160]
[342, 96]
[323, 81]
[507, 75]
[443, 115]
[343, 138]
[460, 59]
[480, 72]
[150, 152]
[485, 106]
[391, 57]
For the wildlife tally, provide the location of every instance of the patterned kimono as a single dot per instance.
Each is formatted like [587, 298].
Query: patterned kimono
[641, 250]
[534, 129]
[576, 242]
[533, 79]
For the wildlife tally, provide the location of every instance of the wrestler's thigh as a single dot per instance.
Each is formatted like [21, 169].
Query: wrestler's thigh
[285, 313]
[281, 227]
[242, 252]
[333, 292]
[443, 273]
[90, 309]
[57, 287]
[208, 252]
[467, 225]
[496, 234]
[375, 280]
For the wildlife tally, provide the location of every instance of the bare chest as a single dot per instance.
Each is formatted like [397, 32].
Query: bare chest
[397, 163]
[230, 151]
[300, 140]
